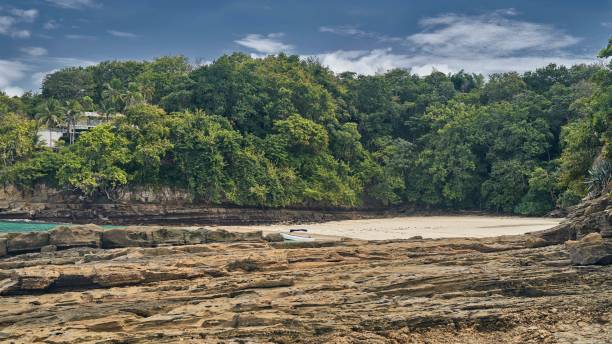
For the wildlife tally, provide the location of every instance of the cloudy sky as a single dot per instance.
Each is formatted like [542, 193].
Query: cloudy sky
[484, 36]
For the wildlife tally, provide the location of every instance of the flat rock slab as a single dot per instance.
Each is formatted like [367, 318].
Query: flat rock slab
[505, 290]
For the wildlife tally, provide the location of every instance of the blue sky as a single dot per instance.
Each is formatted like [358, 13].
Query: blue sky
[485, 36]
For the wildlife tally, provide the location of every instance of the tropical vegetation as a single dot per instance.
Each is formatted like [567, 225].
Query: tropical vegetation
[281, 131]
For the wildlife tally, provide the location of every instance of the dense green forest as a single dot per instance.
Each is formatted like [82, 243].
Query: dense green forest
[281, 131]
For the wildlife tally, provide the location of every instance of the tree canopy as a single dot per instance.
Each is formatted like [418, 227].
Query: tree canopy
[280, 131]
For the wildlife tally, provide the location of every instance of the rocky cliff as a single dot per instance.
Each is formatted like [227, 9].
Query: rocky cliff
[152, 206]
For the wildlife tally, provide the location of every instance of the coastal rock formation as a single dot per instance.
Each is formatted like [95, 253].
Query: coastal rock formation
[591, 216]
[587, 232]
[165, 206]
[26, 242]
[591, 249]
[64, 237]
[238, 288]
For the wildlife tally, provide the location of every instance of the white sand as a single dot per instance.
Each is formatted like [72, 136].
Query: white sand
[425, 226]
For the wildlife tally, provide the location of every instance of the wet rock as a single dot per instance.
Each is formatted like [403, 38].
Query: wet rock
[195, 236]
[592, 249]
[126, 237]
[76, 236]
[221, 235]
[274, 237]
[3, 248]
[48, 248]
[7, 285]
[167, 236]
[26, 242]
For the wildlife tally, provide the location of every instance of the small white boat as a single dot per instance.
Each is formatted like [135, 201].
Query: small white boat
[296, 238]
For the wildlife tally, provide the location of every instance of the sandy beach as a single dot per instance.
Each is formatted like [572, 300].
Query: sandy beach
[426, 226]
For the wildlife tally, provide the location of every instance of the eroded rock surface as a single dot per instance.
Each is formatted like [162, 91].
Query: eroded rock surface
[587, 232]
[511, 289]
[591, 249]
[591, 216]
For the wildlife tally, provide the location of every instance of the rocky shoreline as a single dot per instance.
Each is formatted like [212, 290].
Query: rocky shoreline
[165, 285]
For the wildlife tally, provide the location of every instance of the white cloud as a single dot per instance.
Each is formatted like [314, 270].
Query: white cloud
[491, 34]
[13, 91]
[491, 43]
[38, 78]
[34, 51]
[25, 15]
[266, 44]
[381, 60]
[74, 4]
[11, 71]
[51, 25]
[20, 34]
[363, 61]
[8, 23]
[71, 62]
[122, 34]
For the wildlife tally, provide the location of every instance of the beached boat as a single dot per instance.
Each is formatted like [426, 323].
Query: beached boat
[296, 237]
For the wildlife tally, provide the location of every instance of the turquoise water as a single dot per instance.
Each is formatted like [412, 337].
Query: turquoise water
[31, 226]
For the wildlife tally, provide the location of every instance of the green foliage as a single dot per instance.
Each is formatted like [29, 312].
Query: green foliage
[69, 84]
[540, 198]
[281, 131]
[580, 147]
[503, 87]
[40, 168]
[600, 176]
[607, 51]
[18, 139]
[144, 127]
[95, 163]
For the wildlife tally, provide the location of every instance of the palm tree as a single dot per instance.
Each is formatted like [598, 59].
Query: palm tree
[107, 109]
[50, 114]
[74, 111]
[147, 91]
[113, 93]
[133, 96]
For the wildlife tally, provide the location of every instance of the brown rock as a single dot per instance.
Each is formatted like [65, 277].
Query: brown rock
[221, 235]
[269, 283]
[196, 236]
[3, 249]
[436, 291]
[7, 285]
[48, 248]
[118, 278]
[592, 249]
[533, 242]
[274, 237]
[26, 242]
[167, 236]
[126, 237]
[37, 280]
[76, 236]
